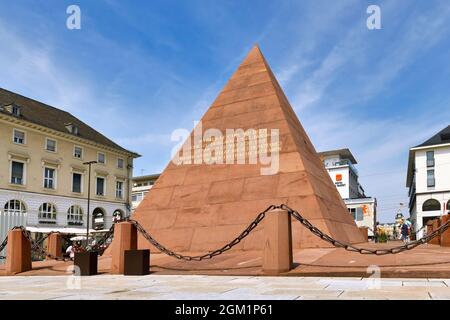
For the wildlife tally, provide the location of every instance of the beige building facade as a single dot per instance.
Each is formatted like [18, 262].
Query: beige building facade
[43, 178]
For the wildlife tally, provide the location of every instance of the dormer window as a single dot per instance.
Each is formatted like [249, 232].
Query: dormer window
[13, 109]
[73, 129]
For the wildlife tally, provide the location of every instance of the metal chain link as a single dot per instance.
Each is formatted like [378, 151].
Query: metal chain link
[98, 247]
[37, 246]
[415, 232]
[3, 245]
[209, 255]
[348, 247]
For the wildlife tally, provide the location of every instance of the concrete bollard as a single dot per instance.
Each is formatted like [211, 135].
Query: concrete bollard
[436, 224]
[125, 238]
[365, 233]
[277, 253]
[54, 247]
[445, 236]
[18, 253]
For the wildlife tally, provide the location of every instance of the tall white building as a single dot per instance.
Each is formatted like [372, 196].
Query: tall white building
[428, 179]
[340, 165]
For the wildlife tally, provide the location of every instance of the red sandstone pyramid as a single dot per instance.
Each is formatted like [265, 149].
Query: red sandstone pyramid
[201, 207]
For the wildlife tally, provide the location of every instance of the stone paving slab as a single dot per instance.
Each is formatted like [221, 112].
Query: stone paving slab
[163, 287]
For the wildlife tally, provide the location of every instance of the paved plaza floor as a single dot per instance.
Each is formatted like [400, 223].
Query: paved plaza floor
[169, 287]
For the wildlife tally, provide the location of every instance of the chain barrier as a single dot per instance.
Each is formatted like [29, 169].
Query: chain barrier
[416, 232]
[209, 255]
[100, 247]
[37, 248]
[3, 246]
[348, 247]
[103, 244]
[305, 223]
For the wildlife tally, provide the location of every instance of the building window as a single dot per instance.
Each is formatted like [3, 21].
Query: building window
[19, 137]
[78, 152]
[101, 158]
[448, 205]
[75, 215]
[430, 158]
[76, 182]
[100, 186]
[430, 178]
[17, 172]
[352, 212]
[359, 214]
[72, 128]
[15, 207]
[49, 178]
[120, 163]
[15, 110]
[431, 205]
[47, 213]
[119, 189]
[50, 145]
[117, 215]
[138, 196]
[98, 218]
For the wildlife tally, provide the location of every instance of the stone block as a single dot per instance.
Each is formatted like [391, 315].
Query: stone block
[18, 253]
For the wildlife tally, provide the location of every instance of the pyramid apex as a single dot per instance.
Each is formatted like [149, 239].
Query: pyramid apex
[254, 55]
[256, 46]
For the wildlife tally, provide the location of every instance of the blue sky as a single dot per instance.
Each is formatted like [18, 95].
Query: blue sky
[137, 70]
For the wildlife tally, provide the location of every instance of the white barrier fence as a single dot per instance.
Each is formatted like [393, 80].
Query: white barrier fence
[8, 220]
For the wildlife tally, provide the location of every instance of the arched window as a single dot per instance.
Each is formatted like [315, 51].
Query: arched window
[431, 205]
[47, 213]
[98, 218]
[15, 207]
[118, 215]
[75, 215]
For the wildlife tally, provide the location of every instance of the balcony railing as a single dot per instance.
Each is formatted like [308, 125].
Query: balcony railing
[47, 220]
[343, 162]
[74, 222]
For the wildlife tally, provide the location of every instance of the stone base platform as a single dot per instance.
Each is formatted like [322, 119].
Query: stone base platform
[427, 261]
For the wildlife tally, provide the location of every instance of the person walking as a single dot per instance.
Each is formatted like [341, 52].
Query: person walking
[405, 232]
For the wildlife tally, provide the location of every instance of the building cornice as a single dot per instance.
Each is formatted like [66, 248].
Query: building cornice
[66, 136]
[93, 199]
[432, 192]
[443, 145]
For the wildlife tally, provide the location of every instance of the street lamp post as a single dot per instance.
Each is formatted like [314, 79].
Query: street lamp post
[89, 163]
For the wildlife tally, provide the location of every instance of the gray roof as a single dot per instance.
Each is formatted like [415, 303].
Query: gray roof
[53, 118]
[147, 177]
[442, 137]
[343, 153]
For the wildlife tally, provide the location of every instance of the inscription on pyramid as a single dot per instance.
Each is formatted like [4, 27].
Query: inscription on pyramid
[210, 192]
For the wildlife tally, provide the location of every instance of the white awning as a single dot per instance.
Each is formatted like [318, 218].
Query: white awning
[63, 230]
